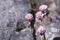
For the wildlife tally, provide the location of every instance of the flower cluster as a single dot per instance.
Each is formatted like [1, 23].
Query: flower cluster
[42, 11]
[39, 15]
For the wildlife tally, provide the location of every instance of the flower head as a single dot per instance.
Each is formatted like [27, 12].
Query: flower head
[29, 17]
[39, 15]
[41, 30]
[43, 7]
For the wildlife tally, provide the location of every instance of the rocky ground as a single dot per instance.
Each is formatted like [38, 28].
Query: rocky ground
[12, 14]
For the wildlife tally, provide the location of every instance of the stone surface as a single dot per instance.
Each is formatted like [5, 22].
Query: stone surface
[12, 12]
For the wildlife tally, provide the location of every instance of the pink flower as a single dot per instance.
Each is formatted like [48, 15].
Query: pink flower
[29, 17]
[41, 30]
[43, 7]
[39, 15]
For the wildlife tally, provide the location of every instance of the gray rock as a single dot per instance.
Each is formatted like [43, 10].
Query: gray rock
[11, 11]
